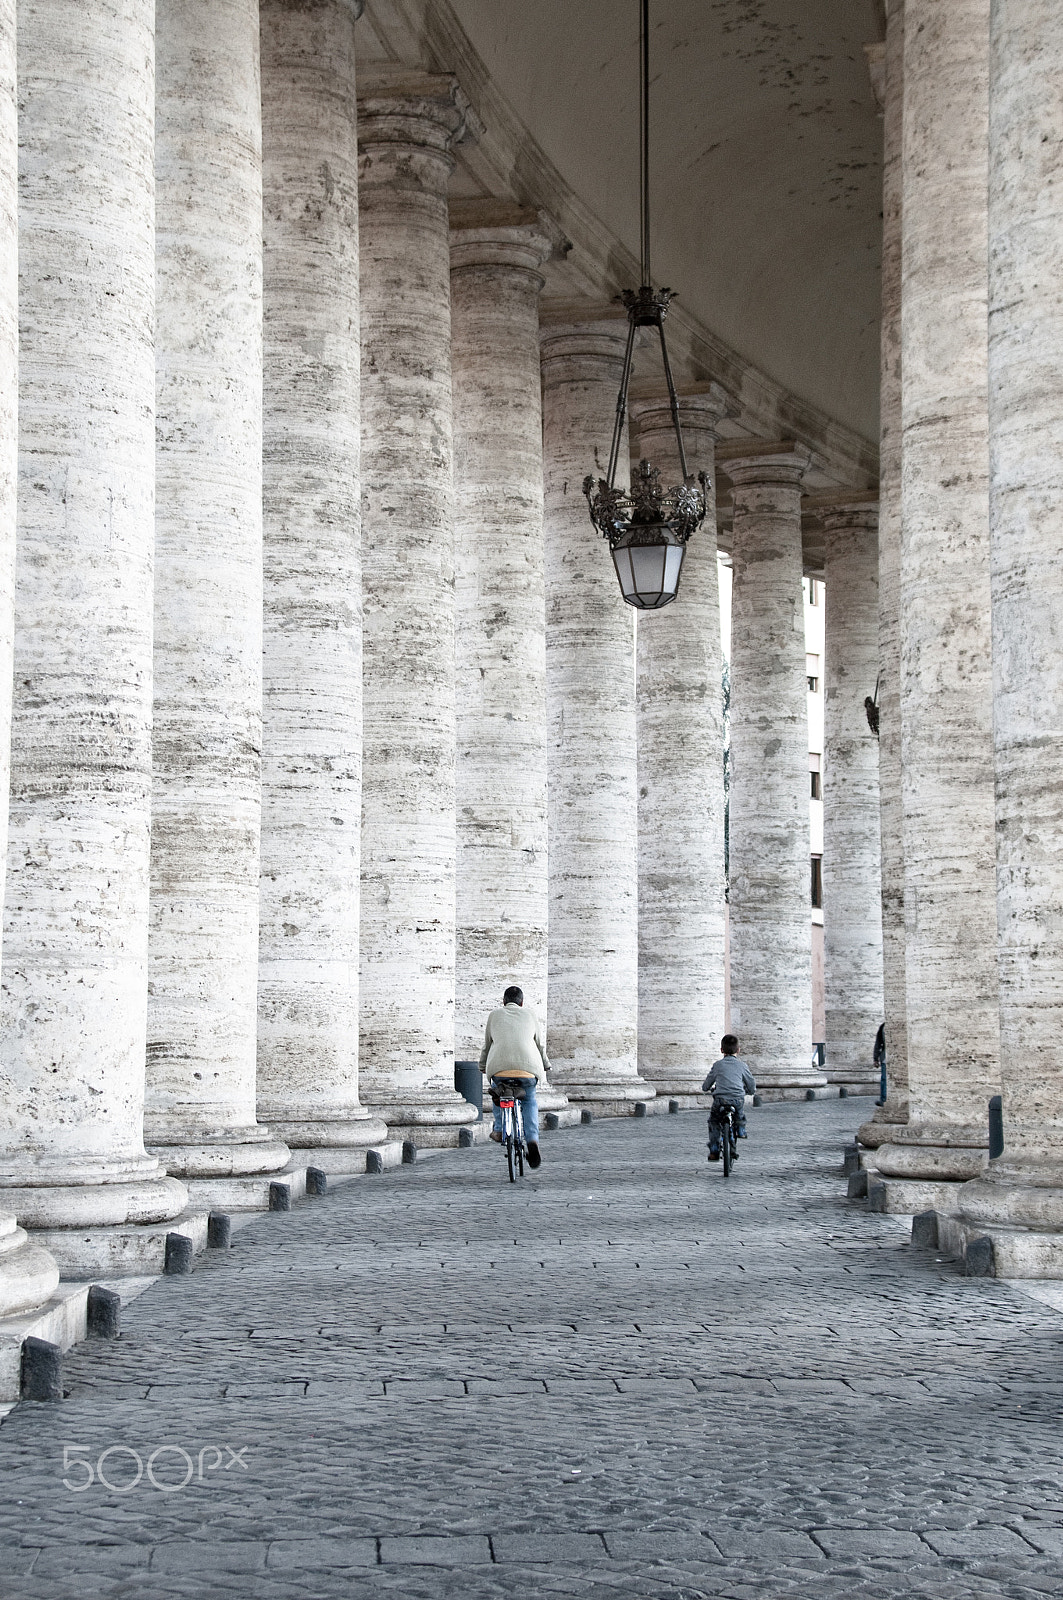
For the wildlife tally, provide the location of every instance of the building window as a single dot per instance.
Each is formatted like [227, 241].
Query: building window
[813, 592]
[817, 883]
[813, 685]
[817, 786]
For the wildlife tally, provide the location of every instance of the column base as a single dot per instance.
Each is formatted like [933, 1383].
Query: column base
[343, 1131]
[812, 1089]
[95, 1197]
[880, 1128]
[930, 1163]
[1013, 1253]
[121, 1251]
[28, 1274]
[432, 1123]
[605, 1096]
[228, 1153]
[905, 1197]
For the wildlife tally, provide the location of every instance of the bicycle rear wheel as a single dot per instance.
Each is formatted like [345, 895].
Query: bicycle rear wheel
[511, 1146]
[725, 1132]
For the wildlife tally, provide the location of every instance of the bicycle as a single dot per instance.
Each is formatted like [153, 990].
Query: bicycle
[725, 1118]
[513, 1142]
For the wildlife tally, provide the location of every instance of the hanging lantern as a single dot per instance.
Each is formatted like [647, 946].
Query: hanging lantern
[647, 526]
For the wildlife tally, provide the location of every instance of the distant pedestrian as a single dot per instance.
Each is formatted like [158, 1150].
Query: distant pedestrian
[514, 1048]
[729, 1082]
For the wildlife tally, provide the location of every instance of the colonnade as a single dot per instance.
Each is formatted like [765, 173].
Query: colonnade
[970, 581]
[328, 720]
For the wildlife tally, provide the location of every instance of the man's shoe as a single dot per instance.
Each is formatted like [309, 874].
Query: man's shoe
[496, 1138]
[714, 1155]
[534, 1158]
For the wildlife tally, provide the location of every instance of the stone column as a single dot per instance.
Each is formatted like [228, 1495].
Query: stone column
[946, 683]
[1022, 1196]
[770, 856]
[889, 581]
[590, 692]
[75, 938]
[680, 780]
[406, 126]
[852, 896]
[502, 882]
[312, 647]
[28, 1274]
[202, 1012]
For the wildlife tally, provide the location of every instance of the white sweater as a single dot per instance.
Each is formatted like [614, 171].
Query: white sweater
[513, 1045]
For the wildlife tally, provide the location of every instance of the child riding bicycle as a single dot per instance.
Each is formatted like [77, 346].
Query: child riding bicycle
[514, 1050]
[729, 1081]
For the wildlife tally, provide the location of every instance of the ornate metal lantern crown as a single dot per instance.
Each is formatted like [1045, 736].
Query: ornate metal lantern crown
[647, 526]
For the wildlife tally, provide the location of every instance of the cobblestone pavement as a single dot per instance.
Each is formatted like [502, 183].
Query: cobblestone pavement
[623, 1376]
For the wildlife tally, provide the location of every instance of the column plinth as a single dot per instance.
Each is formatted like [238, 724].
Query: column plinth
[1020, 1200]
[852, 895]
[502, 879]
[680, 779]
[945, 640]
[206, 799]
[770, 851]
[590, 690]
[76, 904]
[312, 645]
[407, 123]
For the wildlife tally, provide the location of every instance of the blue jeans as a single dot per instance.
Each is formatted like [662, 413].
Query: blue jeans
[714, 1126]
[529, 1111]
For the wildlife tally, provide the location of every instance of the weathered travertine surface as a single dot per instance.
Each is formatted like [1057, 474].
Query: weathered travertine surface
[679, 693]
[851, 881]
[946, 682]
[770, 903]
[406, 125]
[208, 595]
[76, 913]
[500, 612]
[889, 579]
[1026, 505]
[312, 646]
[590, 689]
[28, 1274]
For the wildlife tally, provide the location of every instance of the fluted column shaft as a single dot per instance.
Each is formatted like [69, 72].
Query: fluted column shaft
[590, 690]
[771, 918]
[28, 1274]
[891, 810]
[76, 914]
[852, 895]
[502, 886]
[680, 779]
[206, 800]
[312, 645]
[946, 688]
[1026, 503]
[406, 126]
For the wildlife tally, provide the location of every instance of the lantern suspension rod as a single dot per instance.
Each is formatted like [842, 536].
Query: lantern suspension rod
[644, 197]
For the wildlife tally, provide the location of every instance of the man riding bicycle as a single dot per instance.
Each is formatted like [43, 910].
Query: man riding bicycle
[729, 1081]
[514, 1049]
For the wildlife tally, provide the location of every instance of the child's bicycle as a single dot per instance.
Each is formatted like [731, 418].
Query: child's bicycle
[513, 1143]
[724, 1119]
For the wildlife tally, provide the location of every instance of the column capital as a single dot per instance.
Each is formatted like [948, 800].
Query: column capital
[701, 406]
[758, 461]
[497, 233]
[581, 339]
[427, 110]
[847, 510]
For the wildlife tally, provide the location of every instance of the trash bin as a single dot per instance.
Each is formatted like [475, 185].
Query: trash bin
[469, 1082]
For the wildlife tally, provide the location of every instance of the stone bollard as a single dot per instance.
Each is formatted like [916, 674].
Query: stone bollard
[42, 1370]
[586, 1115]
[219, 1230]
[925, 1230]
[673, 1107]
[466, 1138]
[851, 1160]
[876, 1196]
[280, 1197]
[996, 1127]
[409, 1152]
[178, 1260]
[551, 1121]
[978, 1260]
[316, 1181]
[374, 1161]
[857, 1189]
[640, 1108]
[103, 1313]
